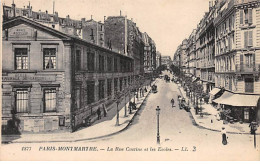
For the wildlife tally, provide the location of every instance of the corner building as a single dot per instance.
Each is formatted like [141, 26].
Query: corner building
[52, 81]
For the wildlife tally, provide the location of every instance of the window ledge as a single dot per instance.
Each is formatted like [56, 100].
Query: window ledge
[245, 26]
[22, 71]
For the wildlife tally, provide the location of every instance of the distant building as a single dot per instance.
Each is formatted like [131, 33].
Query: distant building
[149, 53]
[123, 36]
[93, 31]
[166, 60]
[158, 59]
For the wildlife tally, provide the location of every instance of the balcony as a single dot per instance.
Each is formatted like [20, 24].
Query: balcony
[245, 68]
[238, 2]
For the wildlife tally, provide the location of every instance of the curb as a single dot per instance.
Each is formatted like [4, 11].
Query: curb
[86, 139]
[201, 126]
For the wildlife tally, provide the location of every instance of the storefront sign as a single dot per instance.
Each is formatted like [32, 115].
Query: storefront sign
[28, 78]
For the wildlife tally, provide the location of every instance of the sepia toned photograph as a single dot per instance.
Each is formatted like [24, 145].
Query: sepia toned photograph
[130, 80]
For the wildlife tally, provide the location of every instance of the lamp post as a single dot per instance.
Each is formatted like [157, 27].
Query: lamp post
[158, 130]
[253, 126]
[129, 96]
[125, 92]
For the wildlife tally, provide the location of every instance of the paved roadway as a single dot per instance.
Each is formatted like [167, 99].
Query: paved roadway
[177, 131]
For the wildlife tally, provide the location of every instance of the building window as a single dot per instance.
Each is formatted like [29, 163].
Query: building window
[109, 87]
[78, 98]
[49, 100]
[248, 39]
[115, 65]
[246, 114]
[78, 60]
[121, 84]
[246, 16]
[249, 60]
[115, 84]
[91, 61]
[90, 92]
[109, 64]
[101, 63]
[21, 58]
[249, 85]
[49, 58]
[21, 100]
[101, 89]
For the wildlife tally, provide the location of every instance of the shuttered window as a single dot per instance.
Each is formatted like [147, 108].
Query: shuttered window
[246, 16]
[250, 16]
[241, 17]
[241, 62]
[245, 39]
[250, 38]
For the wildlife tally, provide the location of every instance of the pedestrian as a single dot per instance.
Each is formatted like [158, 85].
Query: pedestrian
[224, 136]
[99, 113]
[141, 92]
[172, 101]
[105, 110]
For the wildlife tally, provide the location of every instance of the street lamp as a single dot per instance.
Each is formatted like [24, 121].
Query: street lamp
[158, 132]
[253, 126]
[125, 92]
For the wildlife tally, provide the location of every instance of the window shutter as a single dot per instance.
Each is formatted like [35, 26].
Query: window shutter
[229, 43]
[250, 38]
[246, 39]
[241, 16]
[241, 62]
[254, 67]
[250, 17]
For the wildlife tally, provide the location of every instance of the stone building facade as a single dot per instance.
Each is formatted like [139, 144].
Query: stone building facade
[52, 81]
[228, 56]
[124, 37]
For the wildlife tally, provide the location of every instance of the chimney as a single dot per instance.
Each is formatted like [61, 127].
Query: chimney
[91, 17]
[13, 8]
[120, 13]
[46, 12]
[83, 19]
[68, 16]
[104, 18]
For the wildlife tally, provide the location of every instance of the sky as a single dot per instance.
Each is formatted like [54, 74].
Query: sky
[167, 22]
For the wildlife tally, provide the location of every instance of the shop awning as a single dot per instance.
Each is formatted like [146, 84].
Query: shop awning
[214, 91]
[223, 97]
[242, 100]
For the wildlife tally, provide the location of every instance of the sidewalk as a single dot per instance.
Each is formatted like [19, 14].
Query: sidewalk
[101, 128]
[209, 120]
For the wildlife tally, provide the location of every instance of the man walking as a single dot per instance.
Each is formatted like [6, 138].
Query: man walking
[172, 102]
